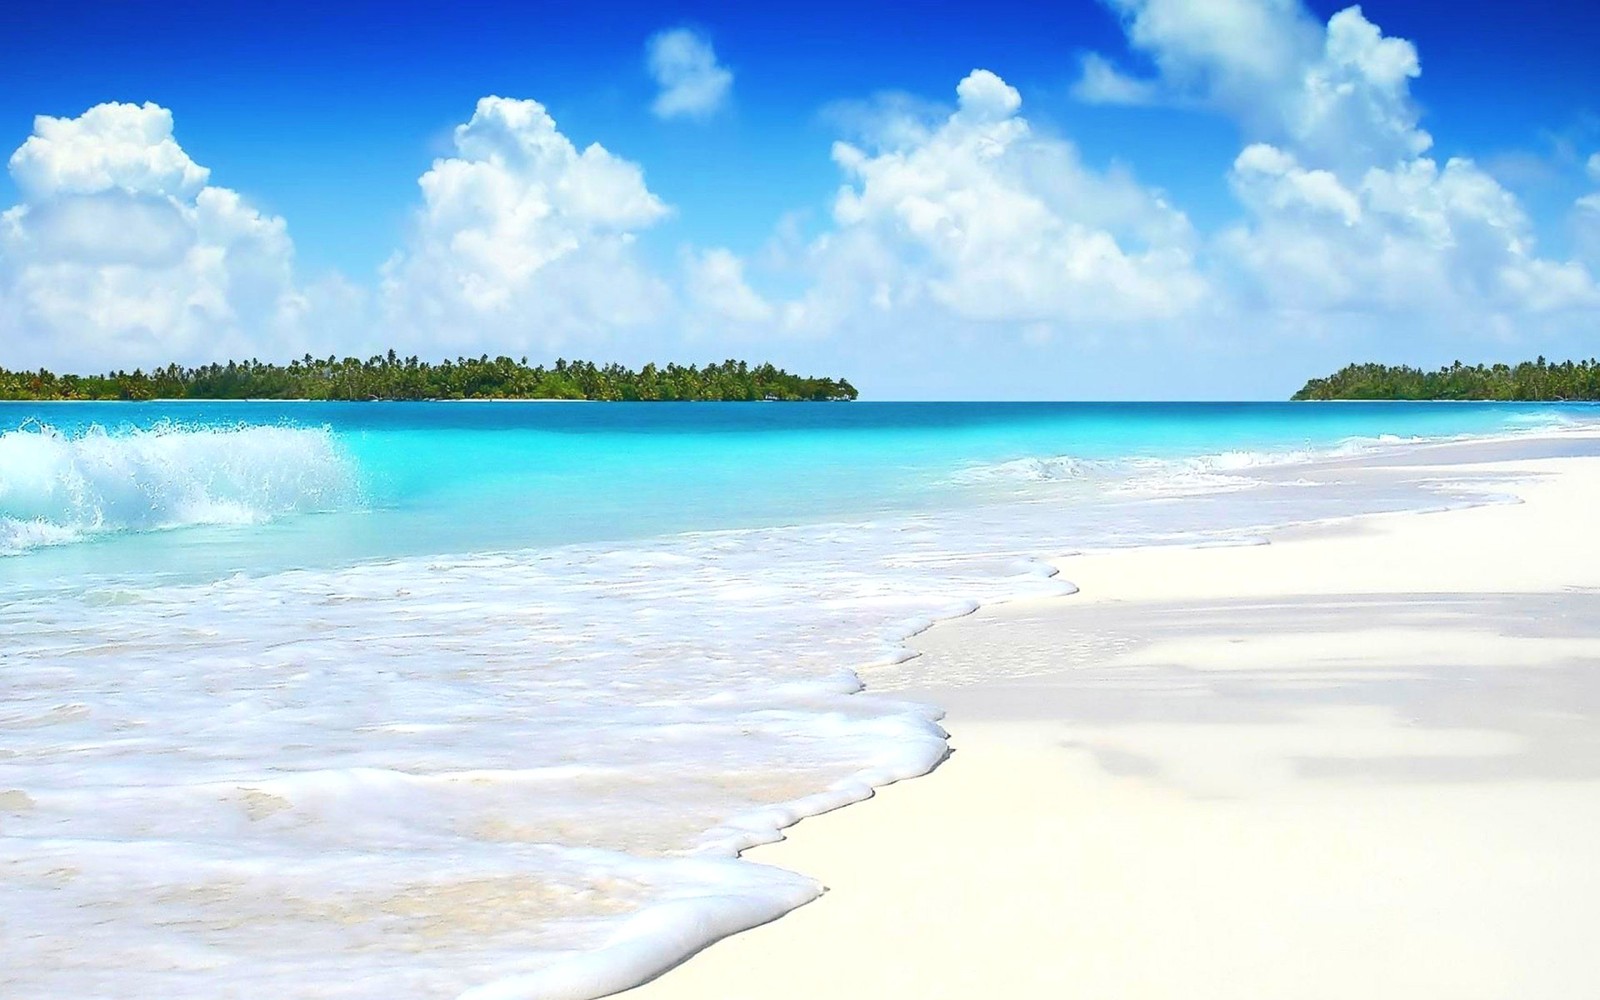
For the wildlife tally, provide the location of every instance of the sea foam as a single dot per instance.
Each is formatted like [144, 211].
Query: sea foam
[58, 487]
[540, 765]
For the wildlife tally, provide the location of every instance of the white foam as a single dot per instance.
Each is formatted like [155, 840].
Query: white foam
[1216, 472]
[57, 488]
[1031, 470]
[265, 769]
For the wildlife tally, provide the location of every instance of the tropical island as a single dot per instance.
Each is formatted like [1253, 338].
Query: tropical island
[390, 377]
[1537, 380]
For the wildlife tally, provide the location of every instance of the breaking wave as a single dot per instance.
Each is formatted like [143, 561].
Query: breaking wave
[58, 487]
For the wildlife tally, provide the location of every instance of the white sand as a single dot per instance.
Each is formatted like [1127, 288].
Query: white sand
[1353, 763]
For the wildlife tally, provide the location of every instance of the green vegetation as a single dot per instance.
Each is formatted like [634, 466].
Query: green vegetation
[1530, 380]
[391, 377]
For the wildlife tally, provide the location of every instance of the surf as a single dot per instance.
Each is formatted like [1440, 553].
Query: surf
[59, 486]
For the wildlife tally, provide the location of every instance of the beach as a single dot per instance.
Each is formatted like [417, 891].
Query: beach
[1359, 760]
[379, 700]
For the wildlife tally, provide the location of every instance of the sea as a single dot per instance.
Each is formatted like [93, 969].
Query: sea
[484, 699]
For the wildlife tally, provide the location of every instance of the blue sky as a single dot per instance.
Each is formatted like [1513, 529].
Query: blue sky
[326, 118]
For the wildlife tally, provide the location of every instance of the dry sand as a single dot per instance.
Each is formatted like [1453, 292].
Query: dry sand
[1356, 762]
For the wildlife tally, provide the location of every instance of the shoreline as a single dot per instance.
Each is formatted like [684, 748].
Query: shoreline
[1354, 761]
[1005, 747]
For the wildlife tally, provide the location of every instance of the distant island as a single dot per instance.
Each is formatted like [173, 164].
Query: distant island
[389, 377]
[1530, 381]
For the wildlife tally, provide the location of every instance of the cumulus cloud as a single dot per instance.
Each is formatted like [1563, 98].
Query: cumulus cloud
[692, 83]
[1419, 240]
[523, 240]
[981, 216]
[1338, 93]
[1348, 215]
[111, 146]
[121, 252]
[1348, 219]
[1354, 107]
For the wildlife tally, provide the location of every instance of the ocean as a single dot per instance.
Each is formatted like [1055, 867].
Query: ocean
[423, 700]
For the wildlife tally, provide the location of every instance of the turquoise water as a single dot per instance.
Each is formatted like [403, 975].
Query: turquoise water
[407, 700]
[388, 479]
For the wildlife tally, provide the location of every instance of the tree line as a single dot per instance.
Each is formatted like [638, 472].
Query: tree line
[389, 377]
[1530, 380]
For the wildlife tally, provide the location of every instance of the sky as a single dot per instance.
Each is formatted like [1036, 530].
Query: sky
[1119, 199]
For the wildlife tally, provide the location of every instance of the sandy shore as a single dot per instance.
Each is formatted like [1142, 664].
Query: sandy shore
[1360, 761]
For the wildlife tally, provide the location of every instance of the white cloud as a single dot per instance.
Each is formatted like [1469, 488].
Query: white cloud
[122, 147]
[1349, 216]
[718, 293]
[120, 253]
[1354, 107]
[1338, 93]
[1348, 220]
[1101, 82]
[983, 217]
[1273, 183]
[1586, 218]
[684, 66]
[523, 240]
[1418, 241]
[983, 97]
[1228, 53]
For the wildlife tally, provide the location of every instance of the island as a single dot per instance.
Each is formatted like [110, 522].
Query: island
[1537, 380]
[390, 377]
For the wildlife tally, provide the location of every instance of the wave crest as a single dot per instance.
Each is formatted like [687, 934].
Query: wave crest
[57, 487]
